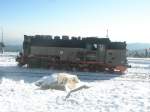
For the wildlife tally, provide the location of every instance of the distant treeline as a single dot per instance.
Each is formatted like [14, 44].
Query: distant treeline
[141, 53]
[13, 48]
[138, 50]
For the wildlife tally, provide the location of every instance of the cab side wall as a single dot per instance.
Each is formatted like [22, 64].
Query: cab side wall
[116, 57]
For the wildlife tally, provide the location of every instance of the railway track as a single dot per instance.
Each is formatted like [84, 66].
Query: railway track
[137, 77]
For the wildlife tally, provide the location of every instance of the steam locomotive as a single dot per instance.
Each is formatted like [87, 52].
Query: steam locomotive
[75, 53]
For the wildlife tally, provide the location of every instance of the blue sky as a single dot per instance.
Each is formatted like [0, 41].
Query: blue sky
[126, 20]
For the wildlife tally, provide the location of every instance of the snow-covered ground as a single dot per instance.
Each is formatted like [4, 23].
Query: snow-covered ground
[109, 92]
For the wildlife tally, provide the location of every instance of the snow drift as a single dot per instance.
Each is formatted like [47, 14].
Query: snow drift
[60, 81]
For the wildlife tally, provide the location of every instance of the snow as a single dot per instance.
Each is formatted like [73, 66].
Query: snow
[46, 80]
[129, 92]
[60, 81]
